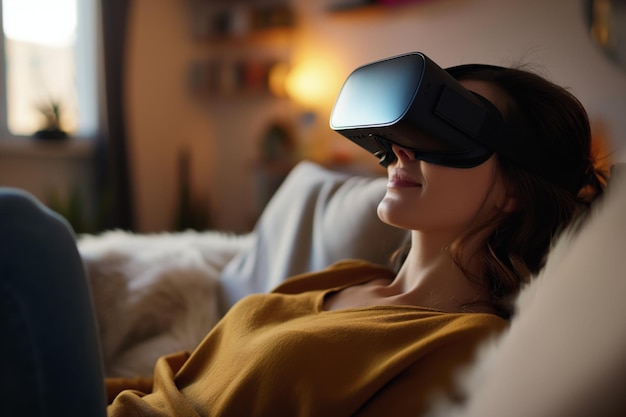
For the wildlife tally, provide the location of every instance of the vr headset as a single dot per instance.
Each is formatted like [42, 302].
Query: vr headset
[410, 101]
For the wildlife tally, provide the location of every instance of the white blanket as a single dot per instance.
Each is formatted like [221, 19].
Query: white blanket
[155, 294]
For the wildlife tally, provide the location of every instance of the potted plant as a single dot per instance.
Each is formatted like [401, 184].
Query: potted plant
[52, 125]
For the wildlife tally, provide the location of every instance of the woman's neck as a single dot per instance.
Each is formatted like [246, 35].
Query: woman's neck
[430, 278]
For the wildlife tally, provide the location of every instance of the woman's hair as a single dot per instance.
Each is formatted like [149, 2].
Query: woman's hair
[515, 244]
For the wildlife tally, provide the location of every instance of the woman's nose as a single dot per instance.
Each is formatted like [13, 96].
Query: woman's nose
[403, 154]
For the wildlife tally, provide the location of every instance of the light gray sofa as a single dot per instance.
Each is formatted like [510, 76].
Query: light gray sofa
[564, 354]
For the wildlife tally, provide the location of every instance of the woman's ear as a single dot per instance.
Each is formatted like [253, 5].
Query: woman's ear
[506, 199]
[509, 205]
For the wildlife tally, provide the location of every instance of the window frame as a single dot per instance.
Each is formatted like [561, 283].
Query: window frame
[87, 75]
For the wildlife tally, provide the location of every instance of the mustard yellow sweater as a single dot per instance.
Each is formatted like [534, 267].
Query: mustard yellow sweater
[281, 354]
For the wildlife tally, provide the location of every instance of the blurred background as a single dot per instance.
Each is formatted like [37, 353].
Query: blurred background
[161, 115]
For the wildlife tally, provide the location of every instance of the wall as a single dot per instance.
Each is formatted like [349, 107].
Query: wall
[163, 118]
[223, 135]
[164, 115]
[548, 34]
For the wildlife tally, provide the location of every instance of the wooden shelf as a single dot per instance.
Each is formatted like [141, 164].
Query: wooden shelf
[369, 6]
[270, 36]
[242, 42]
[212, 21]
[347, 6]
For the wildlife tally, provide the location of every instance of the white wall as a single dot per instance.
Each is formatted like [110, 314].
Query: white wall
[550, 34]
[163, 115]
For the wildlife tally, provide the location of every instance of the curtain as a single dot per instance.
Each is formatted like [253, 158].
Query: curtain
[113, 173]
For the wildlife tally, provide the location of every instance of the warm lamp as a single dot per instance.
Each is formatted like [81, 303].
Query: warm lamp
[311, 84]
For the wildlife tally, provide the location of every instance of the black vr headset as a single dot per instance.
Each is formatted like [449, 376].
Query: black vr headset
[410, 101]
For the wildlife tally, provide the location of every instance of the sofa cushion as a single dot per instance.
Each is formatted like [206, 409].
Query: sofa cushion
[563, 355]
[317, 217]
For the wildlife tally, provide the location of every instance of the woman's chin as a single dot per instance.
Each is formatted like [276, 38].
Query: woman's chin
[389, 211]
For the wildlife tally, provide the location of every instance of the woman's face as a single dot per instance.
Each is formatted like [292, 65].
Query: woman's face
[427, 197]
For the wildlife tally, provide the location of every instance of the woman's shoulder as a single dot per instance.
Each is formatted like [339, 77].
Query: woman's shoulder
[340, 274]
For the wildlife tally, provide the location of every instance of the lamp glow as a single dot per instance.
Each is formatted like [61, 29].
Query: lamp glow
[310, 84]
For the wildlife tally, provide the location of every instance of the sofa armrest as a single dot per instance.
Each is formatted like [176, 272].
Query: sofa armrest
[317, 217]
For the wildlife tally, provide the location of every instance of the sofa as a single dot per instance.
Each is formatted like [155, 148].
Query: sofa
[562, 356]
[318, 216]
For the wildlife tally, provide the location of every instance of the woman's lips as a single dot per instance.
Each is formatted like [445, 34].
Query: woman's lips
[401, 180]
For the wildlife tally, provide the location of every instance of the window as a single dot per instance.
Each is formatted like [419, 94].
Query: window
[49, 62]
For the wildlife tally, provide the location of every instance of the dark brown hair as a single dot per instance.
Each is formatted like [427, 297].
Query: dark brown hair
[515, 244]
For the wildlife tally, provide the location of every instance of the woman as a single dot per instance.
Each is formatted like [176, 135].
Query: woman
[361, 339]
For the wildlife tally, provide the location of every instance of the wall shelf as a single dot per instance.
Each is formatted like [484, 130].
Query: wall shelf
[242, 42]
[225, 20]
[346, 6]
[353, 6]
